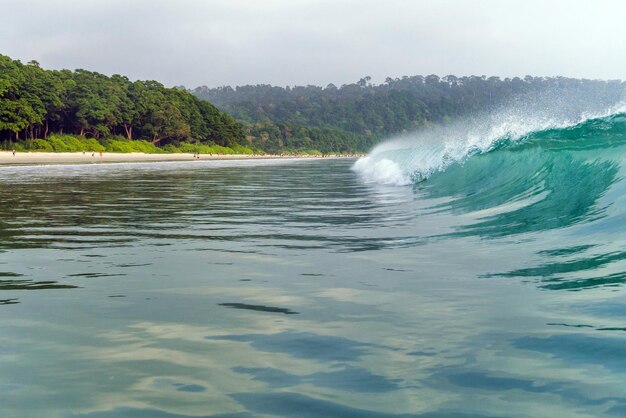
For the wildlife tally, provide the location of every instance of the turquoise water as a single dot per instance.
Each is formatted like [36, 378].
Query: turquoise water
[492, 287]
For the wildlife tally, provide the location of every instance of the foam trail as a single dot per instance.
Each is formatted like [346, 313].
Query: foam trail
[414, 157]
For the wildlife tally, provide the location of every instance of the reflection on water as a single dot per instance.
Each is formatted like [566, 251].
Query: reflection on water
[245, 289]
[260, 308]
[8, 301]
[32, 285]
[573, 274]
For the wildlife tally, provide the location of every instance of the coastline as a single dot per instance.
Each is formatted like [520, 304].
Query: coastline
[34, 158]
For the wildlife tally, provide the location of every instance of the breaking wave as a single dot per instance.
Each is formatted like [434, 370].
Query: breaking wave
[416, 157]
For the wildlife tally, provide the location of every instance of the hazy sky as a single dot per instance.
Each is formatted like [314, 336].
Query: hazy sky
[287, 42]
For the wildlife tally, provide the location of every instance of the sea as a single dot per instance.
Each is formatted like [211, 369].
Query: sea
[478, 276]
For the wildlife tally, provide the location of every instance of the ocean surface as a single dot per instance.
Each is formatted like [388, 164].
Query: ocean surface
[485, 279]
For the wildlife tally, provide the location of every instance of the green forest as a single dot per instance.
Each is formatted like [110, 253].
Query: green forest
[36, 104]
[72, 110]
[353, 117]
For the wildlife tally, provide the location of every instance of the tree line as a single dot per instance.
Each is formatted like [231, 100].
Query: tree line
[35, 103]
[355, 116]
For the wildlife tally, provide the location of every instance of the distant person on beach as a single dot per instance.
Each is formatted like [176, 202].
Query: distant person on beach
[101, 153]
[14, 153]
[93, 153]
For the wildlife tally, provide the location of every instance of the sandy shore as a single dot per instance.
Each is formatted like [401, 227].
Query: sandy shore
[26, 158]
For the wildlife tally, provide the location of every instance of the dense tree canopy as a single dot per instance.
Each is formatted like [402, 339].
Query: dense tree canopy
[354, 116]
[36, 102]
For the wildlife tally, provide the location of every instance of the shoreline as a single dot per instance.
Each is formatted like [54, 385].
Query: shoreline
[35, 158]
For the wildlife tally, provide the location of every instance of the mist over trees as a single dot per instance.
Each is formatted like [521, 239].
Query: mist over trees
[354, 117]
[35, 103]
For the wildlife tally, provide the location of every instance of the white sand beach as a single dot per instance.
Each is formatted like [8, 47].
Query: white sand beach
[27, 158]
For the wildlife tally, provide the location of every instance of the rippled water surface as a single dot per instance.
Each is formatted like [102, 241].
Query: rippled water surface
[294, 289]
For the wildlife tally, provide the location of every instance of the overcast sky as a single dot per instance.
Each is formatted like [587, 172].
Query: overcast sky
[288, 42]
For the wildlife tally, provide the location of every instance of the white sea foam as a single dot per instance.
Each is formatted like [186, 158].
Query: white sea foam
[381, 171]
